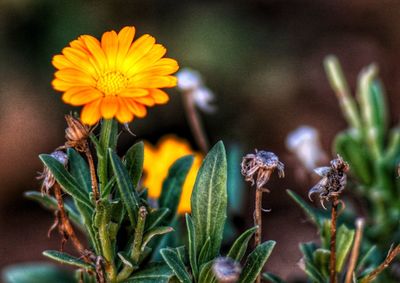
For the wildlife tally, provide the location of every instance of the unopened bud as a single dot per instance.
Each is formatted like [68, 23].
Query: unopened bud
[76, 133]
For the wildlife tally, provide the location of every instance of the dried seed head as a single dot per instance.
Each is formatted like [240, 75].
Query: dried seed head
[333, 180]
[226, 270]
[47, 176]
[76, 133]
[258, 167]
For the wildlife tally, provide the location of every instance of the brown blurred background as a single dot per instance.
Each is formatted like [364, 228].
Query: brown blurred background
[263, 59]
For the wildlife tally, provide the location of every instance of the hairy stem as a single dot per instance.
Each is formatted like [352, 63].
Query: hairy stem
[93, 177]
[195, 122]
[332, 259]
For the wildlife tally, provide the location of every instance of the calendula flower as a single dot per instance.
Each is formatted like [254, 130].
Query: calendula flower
[114, 77]
[157, 161]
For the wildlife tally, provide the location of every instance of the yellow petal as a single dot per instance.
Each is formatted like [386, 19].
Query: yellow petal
[109, 43]
[133, 92]
[123, 114]
[153, 82]
[155, 53]
[82, 97]
[61, 85]
[138, 49]
[75, 76]
[61, 62]
[80, 60]
[159, 96]
[109, 106]
[90, 114]
[146, 100]
[136, 108]
[98, 56]
[125, 38]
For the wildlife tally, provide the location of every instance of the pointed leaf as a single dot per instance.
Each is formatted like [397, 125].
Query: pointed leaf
[192, 245]
[172, 185]
[154, 232]
[50, 203]
[152, 273]
[68, 259]
[66, 180]
[175, 263]
[321, 260]
[126, 189]
[209, 200]
[344, 243]
[256, 261]
[79, 169]
[155, 218]
[206, 274]
[239, 247]
[134, 162]
[204, 253]
[366, 258]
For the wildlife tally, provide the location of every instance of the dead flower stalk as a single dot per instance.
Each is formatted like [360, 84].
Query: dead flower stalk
[330, 186]
[257, 169]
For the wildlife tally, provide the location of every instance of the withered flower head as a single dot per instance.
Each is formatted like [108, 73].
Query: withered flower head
[226, 270]
[333, 180]
[47, 176]
[76, 133]
[258, 167]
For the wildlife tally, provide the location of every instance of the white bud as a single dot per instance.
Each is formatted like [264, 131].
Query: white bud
[189, 79]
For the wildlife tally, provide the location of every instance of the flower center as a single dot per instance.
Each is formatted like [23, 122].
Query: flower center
[111, 83]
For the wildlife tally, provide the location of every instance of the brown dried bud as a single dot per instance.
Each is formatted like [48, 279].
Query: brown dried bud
[47, 176]
[333, 180]
[76, 133]
[226, 270]
[258, 167]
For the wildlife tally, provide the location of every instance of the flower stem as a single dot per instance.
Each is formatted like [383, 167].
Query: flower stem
[108, 137]
[332, 260]
[355, 250]
[195, 122]
[258, 222]
[93, 177]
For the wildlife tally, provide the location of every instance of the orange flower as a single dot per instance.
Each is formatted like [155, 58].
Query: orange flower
[115, 77]
[157, 161]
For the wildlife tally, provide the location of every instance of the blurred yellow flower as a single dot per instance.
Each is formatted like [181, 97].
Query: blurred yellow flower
[157, 161]
[115, 77]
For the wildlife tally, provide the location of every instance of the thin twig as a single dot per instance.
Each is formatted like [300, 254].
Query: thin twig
[93, 177]
[195, 122]
[258, 222]
[332, 259]
[66, 226]
[389, 258]
[355, 250]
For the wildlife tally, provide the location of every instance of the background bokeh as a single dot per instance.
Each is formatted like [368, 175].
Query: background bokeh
[263, 60]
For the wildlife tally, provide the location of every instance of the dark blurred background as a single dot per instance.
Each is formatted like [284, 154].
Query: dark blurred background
[263, 60]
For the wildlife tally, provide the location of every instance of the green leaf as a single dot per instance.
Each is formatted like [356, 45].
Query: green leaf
[175, 263]
[172, 185]
[313, 273]
[272, 278]
[209, 200]
[256, 261]
[51, 203]
[206, 274]
[344, 243]
[107, 190]
[314, 214]
[155, 218]
[66, 180]
[308, 250]
[79, 169]
[34, 273]
[126, 189]
[152, 273]
[371, 252]
[204, 253]
[134, 159]
[239, 247]
[321, 260]
[154, 232]
[68, 259]
[192, 245]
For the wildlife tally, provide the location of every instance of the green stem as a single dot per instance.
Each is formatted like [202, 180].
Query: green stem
[108, 137]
